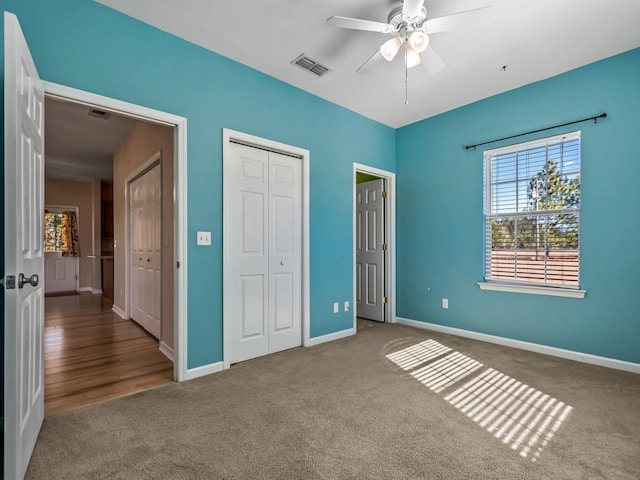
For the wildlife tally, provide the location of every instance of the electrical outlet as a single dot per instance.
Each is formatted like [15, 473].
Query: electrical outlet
[346, 306]
[445, 303]
[336, 307]
[204, 238]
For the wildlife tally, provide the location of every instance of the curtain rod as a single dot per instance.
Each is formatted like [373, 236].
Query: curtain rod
[594, 118]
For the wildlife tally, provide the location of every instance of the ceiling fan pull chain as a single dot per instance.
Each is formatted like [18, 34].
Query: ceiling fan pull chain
[406, 71]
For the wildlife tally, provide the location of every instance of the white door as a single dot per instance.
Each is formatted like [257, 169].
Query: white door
[60, 273]
[369, 250]
[264, 251]
[145, 219]
[23, 302]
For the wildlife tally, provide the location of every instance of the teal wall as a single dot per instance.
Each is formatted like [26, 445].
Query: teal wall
[85, 45]
[440, 216]
[82, 44]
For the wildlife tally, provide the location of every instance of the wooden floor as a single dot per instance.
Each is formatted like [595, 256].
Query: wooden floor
[92, 355]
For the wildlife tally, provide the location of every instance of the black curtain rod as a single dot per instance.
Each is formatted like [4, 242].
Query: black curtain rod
[594, 118]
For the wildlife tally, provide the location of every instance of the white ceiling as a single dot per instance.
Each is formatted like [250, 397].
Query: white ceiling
[535, 39]
[80, 147]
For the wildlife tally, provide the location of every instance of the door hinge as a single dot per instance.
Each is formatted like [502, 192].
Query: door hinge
[384, 247]
[8, 282]
[384, 299]
[384, 194]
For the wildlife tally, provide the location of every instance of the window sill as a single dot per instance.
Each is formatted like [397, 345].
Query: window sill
[533, 290]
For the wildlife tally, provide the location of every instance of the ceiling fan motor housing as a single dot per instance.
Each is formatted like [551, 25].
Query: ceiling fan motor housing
[398, 20]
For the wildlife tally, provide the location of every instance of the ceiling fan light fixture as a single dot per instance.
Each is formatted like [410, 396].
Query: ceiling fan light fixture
[413, 58]
[390, 48]
[418, 41]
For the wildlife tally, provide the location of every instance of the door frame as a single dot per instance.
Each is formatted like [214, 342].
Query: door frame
[390, 235]
[265, 144]
[179, 124]
[151, 162]
[59, 209]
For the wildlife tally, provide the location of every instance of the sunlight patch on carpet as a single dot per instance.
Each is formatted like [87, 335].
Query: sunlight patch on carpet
[415, 355]
[520, 416]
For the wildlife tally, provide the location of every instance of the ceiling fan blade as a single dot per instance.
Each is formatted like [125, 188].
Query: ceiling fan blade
[432, 61]
[370, 64]
[359, 24]
[453, 21]
[412, 8]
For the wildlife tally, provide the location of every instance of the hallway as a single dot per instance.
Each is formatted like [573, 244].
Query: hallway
[92, 355]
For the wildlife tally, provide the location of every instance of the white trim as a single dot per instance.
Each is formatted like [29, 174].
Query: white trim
[92, 291]
[167, 350]
[118, 311]
[532, 347]
[534, 290]
[227, 136]
[390, 271]
[204, 370]
[330, 337]
[180, 197]
[60, 209]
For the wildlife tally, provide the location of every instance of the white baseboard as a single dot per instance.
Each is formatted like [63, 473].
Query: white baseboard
[118, 311]
[330, 337]
[204, 370]
[532, 347]
[167, 350]
[93, 291]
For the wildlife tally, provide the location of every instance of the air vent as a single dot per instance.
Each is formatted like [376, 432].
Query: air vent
[94, 112]
[311, 65]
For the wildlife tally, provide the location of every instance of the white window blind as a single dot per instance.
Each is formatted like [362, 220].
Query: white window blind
[532, 212]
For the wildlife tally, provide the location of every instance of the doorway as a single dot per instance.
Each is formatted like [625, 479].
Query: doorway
[373, 244]
[175, 180]
[61, 271]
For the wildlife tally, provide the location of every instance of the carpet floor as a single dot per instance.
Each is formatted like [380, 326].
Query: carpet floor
[391, 402]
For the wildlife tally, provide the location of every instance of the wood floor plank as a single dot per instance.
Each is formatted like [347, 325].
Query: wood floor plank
[92, 355]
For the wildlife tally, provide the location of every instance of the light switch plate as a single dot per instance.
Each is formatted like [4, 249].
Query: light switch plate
[204, 238]
[336, 307]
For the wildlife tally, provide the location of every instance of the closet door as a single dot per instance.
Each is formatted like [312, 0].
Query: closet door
[285, 245]
[263, 269]
[146, 251]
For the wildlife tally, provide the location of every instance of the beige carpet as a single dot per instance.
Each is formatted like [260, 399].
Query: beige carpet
[439, 407]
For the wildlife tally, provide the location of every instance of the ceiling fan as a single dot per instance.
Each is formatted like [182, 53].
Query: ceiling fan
[408, 25]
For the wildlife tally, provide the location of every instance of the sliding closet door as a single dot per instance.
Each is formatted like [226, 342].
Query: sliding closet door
[263, 276]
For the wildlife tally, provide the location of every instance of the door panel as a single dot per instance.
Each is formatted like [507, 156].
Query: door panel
[264, 240]
[369, 252]
[285, 252]
[247, 253]
[146, 250]
[24, 309]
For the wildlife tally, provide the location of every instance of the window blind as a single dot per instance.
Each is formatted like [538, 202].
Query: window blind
[532, 212]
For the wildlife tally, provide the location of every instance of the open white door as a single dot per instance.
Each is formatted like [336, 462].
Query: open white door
[24, 263]
[369, 250]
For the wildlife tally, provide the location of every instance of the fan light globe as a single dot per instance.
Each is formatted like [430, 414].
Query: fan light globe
[390, 48]
[419, 41]
[413, 58]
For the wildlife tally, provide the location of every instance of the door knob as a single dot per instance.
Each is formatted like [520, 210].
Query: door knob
[32, 280]
[281, 263]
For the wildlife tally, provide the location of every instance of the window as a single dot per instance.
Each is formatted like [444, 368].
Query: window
[53, 232]
[532, 213]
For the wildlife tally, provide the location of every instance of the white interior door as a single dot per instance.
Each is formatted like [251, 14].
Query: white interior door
[369, 250]
[145, 256]
[60, 273]
[24, 308]
[264, 244]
